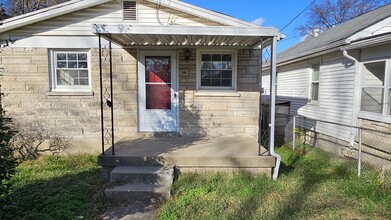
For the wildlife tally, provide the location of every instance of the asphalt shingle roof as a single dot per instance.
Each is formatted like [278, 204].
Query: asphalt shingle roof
[334, 37]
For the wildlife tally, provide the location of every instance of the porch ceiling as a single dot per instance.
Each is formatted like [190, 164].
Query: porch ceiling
[127, 35]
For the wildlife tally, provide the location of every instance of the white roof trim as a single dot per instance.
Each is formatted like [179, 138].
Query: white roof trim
[188, 30]
[203, 13]
[47, 13]
[367, 32]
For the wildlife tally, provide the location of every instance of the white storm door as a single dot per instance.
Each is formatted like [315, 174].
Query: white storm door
[158, 103]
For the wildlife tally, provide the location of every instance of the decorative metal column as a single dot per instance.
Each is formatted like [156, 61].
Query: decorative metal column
[105, 55]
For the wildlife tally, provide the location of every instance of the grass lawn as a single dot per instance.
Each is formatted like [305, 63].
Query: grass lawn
[312, 185]
[55, 187]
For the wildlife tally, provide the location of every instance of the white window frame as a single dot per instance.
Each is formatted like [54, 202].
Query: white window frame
[234, 55]
[385, 116]
[53, 75]
[310, 82]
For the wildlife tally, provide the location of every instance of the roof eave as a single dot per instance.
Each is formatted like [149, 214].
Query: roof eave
[47, 13]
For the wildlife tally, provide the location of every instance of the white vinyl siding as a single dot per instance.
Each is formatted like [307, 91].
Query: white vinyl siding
[336, 92]
[80, 23]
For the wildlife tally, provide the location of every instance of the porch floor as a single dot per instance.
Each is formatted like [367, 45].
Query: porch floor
[190, 153]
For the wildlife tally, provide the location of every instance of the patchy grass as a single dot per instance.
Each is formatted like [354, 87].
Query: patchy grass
[312, 185]
[55, 187]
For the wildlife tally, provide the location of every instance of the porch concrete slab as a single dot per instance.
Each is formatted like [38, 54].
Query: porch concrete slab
[181, 146]
[190, 153]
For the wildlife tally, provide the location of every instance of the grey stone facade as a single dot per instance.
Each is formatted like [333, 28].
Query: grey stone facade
[25, 82]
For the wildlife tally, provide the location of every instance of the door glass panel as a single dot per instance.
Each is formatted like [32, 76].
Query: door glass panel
[158, 69]
[158, 82]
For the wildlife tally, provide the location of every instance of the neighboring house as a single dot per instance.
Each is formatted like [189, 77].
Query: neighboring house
[342, 76]
[175, 68]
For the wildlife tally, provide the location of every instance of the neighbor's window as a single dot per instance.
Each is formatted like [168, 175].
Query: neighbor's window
[217, 70]
[70, 70]
[314, 86]
[375, 93]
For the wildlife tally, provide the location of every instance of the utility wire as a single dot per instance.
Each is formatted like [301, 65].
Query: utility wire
[297, 15]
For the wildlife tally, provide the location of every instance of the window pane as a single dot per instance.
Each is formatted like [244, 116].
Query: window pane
[72, 65]
[389, 102]
[61, 56]
[371, 100]
[315, 72]
[374, 74]
[217, 72]
[66, 77]
[82, 65]
[61, 64]
[206, 65]
[227, 57]
[206, 57]
[315, 91]
[71, 56]
[216, 57]
[82, 56]
[217, 65]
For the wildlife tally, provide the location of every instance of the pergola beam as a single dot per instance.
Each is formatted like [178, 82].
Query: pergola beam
[182, 30]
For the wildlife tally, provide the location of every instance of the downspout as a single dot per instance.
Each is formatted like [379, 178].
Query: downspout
[272, 107]
[355, 107]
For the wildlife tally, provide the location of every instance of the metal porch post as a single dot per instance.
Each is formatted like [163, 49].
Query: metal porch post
[112, 97]
[101, 94]
[260, 103]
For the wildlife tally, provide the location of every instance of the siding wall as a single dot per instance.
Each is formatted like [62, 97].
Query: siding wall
[336, 92]
[80, 23]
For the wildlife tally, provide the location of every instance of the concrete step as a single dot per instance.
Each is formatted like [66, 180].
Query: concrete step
[138, 192]
[142, 174]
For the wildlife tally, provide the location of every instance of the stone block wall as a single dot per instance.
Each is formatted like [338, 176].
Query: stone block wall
[225, 114]
[25, 82]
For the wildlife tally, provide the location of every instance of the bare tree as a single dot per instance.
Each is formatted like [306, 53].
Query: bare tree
[18, 7]
[326, 14]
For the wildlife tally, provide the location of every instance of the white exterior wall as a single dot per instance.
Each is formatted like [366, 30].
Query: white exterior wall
[336, 92]
[80, 23]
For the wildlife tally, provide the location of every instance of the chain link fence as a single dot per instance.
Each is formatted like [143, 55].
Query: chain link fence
[361, 148]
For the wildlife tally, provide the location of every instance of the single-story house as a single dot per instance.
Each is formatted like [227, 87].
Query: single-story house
[342, 76]
[104, 70]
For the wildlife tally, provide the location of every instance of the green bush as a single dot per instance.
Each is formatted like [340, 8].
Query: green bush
[7, 161]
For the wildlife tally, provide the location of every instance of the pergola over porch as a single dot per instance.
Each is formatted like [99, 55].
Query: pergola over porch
[134, 36]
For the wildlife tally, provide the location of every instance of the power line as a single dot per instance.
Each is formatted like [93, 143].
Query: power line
[298, 15]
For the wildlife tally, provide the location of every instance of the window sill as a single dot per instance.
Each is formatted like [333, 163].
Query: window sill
[375, 117]
[213, 93]
[55, 93]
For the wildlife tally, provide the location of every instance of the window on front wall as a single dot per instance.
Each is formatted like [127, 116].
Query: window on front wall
[375, 92]
[216, 70]
[314, 82]
[70, 71]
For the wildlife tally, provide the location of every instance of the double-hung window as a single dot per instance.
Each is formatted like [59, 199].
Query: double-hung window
[314, 82]
[216, 70]
[376, 88]
[70, 71]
